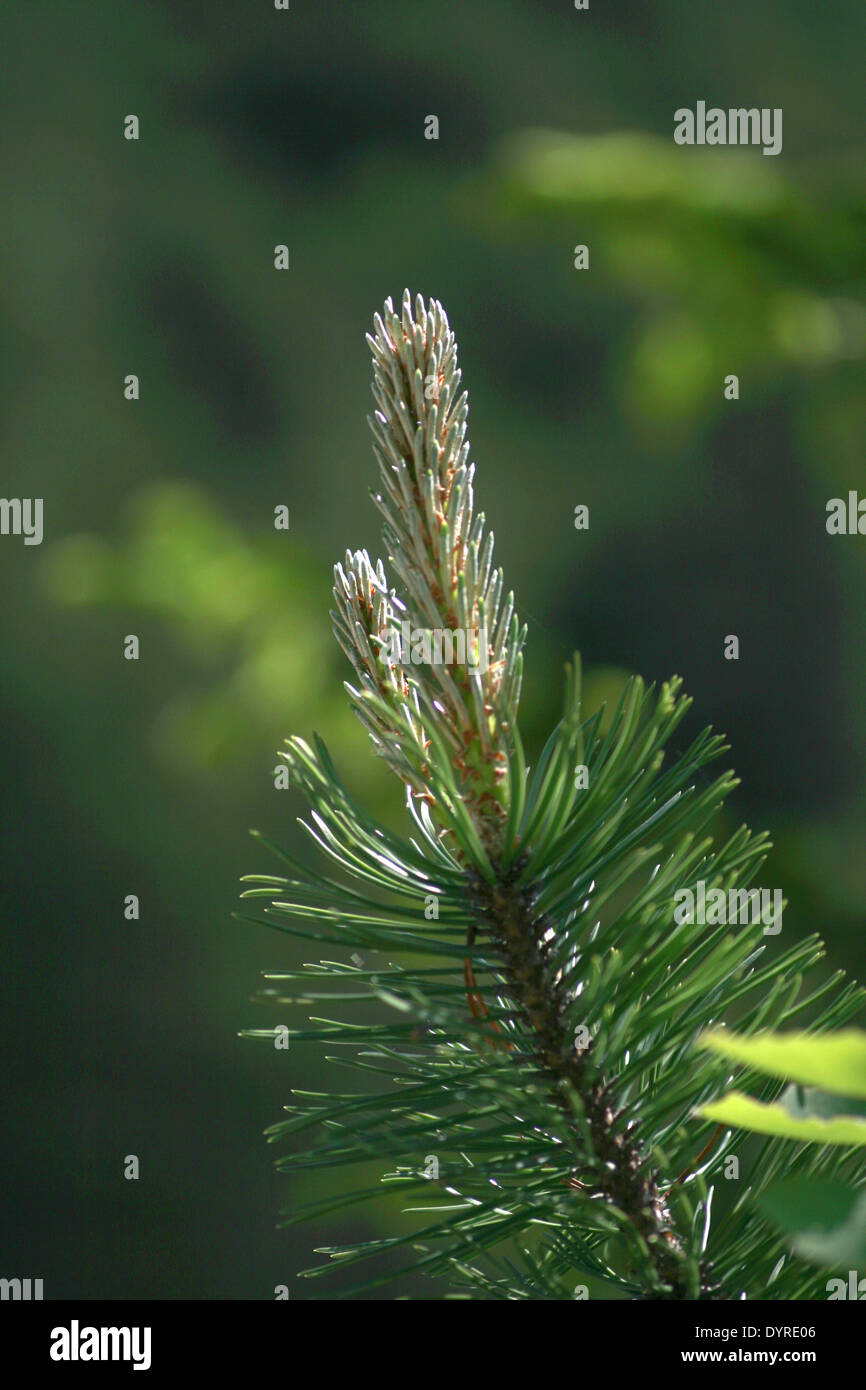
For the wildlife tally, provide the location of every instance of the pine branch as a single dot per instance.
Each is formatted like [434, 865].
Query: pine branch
[541, 1040]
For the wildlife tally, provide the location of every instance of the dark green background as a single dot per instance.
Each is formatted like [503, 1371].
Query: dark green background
[601, 387]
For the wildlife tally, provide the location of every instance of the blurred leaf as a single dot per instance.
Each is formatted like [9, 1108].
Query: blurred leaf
[824, 1219]
[834, 1061]
[744, 1112]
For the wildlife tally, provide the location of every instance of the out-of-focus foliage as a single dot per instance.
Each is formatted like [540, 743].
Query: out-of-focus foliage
[824, 1104]
[737, 265]
[239, 603]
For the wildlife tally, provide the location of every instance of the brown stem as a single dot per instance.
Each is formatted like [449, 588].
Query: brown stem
[621, 1173]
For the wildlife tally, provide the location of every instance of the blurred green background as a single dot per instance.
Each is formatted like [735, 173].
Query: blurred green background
[602, 387]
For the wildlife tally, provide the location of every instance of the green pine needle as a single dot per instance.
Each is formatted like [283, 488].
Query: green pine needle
[532, 1005]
